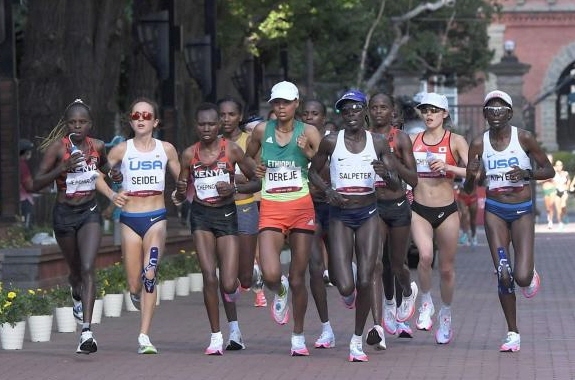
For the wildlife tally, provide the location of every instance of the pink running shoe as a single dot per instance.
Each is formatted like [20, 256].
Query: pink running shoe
[531, 290]
[260, 300]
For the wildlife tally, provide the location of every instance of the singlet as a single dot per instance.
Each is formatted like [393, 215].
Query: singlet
[379, 182]
[498, 163]
[352, 173]
[287, 166]
[441, 151]
[206, 175]
[242, 142]
[79, 181]
[144, 172]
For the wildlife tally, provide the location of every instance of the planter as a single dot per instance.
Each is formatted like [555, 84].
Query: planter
[113, 304]
[196, 282]
[98, 311]
[128, 301]
[65, 320]
[40, 327]
[12, 337]
[168, 290]
[182, 286]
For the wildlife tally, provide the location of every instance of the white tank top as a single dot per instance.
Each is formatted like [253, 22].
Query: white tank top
[352, 173]
[144, 172]
[498, 163]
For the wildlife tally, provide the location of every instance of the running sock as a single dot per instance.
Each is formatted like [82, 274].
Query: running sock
[426, 297]
[234, 325]
[326, 326]
[85, 326]
[356, 338]
[390, 302]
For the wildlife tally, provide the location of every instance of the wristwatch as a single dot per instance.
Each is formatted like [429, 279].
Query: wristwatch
[528, 175]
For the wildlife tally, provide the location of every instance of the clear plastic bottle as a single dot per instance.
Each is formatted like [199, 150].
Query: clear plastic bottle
[75, 150]
[429, 157]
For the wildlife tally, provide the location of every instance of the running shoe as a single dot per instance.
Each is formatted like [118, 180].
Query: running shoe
[298, 347]
[236, 342]
[216, 344]
[531, 290]
[375, 336]
[349, 301]
[326, 279]
[136, 300]
[356, 353]
[426, 311]
[145, 346]
[444, 333]
[87, 343]
[407, 307]
[260, 300]
[280, 308]
[233, 297]
[389, 320]
[404, 330]
[77, 308]
[325, 340]
[463, 239]
[257, 279]
[474, 241]
[512, 342]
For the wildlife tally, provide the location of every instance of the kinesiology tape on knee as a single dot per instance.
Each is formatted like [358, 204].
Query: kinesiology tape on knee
[505, 281]
[149, 283]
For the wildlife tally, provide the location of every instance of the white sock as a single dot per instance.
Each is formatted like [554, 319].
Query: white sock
[234, 325]
[356, 339]
[390, 302]
[217, 334]
[326, 326]
[426, 297]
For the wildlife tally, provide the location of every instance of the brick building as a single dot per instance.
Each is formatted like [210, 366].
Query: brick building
[544, 36]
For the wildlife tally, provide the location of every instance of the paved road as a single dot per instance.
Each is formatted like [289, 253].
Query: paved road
[181, 333]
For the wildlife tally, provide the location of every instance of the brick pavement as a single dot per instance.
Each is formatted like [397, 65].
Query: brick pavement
[181, 332]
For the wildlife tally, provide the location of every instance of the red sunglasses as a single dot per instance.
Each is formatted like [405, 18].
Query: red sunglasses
[144, 115]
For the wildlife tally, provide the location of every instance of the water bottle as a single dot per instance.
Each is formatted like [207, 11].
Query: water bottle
[75, 150]
[429, 157]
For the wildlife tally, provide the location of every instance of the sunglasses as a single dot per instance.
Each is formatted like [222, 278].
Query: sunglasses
[355, 108]
[497, 110]
[144, 115]
[426, 110]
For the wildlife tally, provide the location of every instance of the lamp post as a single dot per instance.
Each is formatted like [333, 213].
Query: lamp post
[198, 58]
[158, 38]
[244, 79]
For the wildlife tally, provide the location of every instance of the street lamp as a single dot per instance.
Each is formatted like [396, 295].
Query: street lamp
[154, 37]
[198, 58]
[245, 82]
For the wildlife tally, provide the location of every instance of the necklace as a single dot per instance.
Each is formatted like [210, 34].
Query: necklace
[288, 131]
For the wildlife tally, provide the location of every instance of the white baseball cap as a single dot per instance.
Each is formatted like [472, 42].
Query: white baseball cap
[434, 99]
[498, 95]
[284, 90]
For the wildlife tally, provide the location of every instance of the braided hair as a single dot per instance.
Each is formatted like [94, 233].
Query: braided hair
[61, 128]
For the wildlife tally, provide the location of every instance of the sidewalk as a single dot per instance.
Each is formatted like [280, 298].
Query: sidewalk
[181, 333]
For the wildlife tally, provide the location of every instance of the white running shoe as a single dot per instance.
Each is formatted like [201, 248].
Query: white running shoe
[426, 311]
[257, 279]
[356, 353]
[280, 308]
[325, 340]
[298, 347]
[145, 346]
[531, 290]
[77, 308]
[474, 241]
[216, 345]
[407, 307]
[404, 330]
[444, 333]
[235, 343]
[376, 338]
[87, 343]
[389, 320]
[512, 342]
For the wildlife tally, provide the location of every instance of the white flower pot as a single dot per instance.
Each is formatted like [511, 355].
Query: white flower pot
[168, 290]
[182, 286]
[65, 320]
[98, 311]
[40, 327]
[196, 282]
[12, 337]
[113, 304]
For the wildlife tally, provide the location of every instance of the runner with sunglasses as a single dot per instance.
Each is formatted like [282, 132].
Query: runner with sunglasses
[437, 152]
[75, 161]
[502, 155]
[144, 161]
[354, 156]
